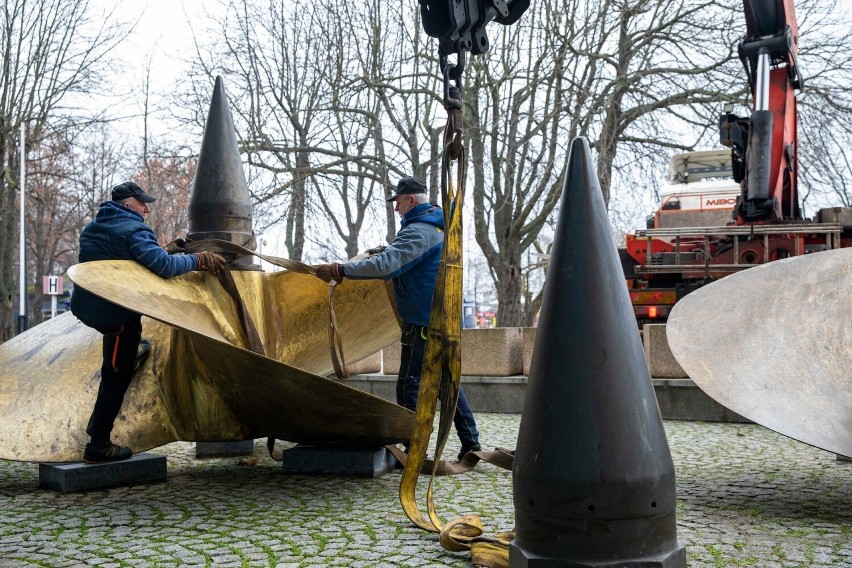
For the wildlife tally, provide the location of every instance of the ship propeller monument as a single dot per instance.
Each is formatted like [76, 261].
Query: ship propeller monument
[206, 379]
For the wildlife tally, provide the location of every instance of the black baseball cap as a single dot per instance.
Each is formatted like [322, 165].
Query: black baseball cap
[408, 186]
[130, 189]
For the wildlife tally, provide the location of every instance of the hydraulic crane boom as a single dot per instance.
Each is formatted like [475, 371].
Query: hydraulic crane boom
[688, 245]
[763, 146]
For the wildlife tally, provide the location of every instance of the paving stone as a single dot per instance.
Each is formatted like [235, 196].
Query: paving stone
[744, 492]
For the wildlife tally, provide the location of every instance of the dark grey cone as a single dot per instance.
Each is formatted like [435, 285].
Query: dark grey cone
[220, 204]
[593, 477]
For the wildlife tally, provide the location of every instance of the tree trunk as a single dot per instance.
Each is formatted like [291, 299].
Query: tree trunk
[510, 307]
[8, 254]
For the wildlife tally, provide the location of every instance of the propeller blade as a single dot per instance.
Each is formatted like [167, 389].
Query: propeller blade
[774, 344]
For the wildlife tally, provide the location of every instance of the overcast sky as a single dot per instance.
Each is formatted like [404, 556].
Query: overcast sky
[163, 34]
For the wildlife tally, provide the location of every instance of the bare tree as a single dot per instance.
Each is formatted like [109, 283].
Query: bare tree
[270, 54]
[519, 118]
[332, 104]
[168, 175]
[51, 51]
[69, 175]
[653, 79]
[51, 216]
[616, 72]
[97, 160]
[346, 187]
[825, 104]
[337, 101]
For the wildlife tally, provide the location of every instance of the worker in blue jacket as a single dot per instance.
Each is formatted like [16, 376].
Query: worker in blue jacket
[119, 232]
[411, 260]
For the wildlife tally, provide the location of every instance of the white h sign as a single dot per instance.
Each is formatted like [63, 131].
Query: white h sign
[52, 285]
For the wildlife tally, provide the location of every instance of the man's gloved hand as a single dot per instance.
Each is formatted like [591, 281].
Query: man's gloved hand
[177, 245]
[211, 262]
[329, 272]
[376, 250]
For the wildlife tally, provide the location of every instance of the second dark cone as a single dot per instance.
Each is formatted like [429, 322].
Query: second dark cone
[593, 477]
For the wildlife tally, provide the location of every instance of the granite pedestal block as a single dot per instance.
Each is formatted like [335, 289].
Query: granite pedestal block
[80, 476]
[224, 449]
[355, 461]
[370, 364]
[678, 399]
[528, 338]
[681, 399]
[493, 352]
[661, 362]
[391, 357]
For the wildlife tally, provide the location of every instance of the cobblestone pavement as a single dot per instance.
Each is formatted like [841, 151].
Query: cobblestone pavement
[746, 497]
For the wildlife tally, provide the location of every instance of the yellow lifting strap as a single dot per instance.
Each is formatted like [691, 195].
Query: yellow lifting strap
[442, 360]
[441, 374]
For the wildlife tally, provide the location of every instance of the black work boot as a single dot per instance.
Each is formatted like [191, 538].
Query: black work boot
[142, 353]
[109, 452]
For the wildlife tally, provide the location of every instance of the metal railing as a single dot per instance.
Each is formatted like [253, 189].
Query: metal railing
[797, 231]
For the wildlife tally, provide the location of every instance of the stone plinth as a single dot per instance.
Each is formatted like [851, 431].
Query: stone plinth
[681, 399]
[224, 449]
[331, 460]
[661, 362]
[80, 476]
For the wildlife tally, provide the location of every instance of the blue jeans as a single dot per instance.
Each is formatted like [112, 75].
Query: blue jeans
[408, 385]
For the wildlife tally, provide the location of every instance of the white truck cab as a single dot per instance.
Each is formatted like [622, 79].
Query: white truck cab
[700, 191]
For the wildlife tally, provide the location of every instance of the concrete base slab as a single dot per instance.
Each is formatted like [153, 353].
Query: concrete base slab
[841, 458]
[519, 558]
[224, 449]
[355, 461]
[81, 476]
[679, 399]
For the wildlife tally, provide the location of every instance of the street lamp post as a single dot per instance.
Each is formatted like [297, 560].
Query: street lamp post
[22, 278]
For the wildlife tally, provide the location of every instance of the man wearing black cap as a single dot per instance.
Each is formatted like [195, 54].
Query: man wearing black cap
[411, 260]
[119, 232]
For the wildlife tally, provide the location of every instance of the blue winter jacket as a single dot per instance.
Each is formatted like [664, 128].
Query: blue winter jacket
[411, 260]
[118, 233]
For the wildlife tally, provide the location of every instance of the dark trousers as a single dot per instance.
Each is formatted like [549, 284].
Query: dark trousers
[408, 384]
[119, 356]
